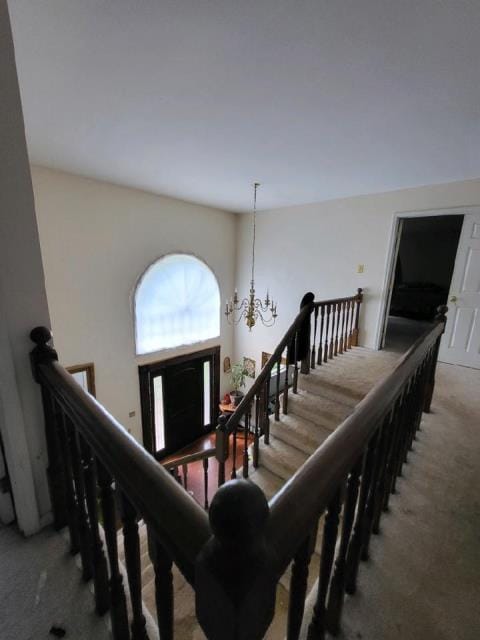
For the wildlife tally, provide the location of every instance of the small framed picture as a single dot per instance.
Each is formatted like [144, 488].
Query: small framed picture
[227, 365]
[249, 366]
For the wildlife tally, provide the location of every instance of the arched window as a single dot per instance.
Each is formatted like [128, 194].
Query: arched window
[177, 302]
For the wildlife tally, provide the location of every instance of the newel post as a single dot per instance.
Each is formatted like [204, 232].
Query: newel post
[303, 346]
[235, 584]
[358, 301]
[441, 317]
[43, 353]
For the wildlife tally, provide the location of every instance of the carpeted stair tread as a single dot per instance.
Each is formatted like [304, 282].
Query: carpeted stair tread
[268, 482]
[298, 432]
[350, 375]
[316, 409]
[281, 458]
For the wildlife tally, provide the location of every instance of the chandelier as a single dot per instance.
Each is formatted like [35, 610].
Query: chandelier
[252, 309]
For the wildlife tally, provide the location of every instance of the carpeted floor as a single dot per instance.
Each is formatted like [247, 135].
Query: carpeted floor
[423, 579]
[41, 587]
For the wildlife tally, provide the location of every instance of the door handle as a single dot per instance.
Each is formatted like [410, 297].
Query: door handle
[453, 299]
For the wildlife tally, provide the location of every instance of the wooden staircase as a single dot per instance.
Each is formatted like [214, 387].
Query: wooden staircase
[324, 399]
[327, 457]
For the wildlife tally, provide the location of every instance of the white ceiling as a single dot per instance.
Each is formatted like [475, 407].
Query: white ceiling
[316, 99]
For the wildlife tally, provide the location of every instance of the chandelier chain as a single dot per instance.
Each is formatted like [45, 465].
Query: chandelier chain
[255, 187]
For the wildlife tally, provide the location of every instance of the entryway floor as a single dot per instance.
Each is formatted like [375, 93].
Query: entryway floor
[195, 479]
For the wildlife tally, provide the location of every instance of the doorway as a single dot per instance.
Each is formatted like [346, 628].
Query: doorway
[423, 263]
[179, 399]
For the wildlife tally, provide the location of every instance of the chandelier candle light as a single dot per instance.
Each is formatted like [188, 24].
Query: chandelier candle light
[252, 309]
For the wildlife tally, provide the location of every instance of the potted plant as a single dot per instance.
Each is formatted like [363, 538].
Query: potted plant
[237, 376]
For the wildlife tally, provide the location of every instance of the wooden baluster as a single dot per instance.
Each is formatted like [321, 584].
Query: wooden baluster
[84, 533]
[327, 342]
[205, 482]
[256, 434]
[399, 417]
[118, 605]
[131, 542]
[233, 474]
[295, 369]
[408, 418]
[350, 324]
[347, 318]
[285, 388]
[392, 455]
[370, 508]
[335, 327]
[100, 570]
[265, 412]
[360, 526]
[332, 332]
[185, 476]
[313, 355]
[337, 585]
[298, 585]
[321, 339]
[277, 391]
[56, 474]
[420, 395]
[71, 500]
[403, 426]
[316, 629]
[162, 567]
[248, 416]
[348, 328]
[342, 327]
[221, 446]
[358, 301]
[383, 476]
[345, 326]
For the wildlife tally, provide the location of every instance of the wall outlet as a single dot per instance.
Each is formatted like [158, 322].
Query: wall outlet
[360, 268]
[131, 414]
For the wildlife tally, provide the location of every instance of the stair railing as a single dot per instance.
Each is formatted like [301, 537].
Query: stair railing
[93, 460]
[235, 556]
[321, 331]
[183, 461]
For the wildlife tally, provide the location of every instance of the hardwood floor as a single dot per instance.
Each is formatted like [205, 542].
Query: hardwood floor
[195, 477]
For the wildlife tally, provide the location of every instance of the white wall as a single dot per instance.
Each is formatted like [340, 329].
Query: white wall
[23, 303]
[318, 247]
[97, 239]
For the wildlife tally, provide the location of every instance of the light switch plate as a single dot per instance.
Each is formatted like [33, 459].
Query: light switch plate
[360, 268]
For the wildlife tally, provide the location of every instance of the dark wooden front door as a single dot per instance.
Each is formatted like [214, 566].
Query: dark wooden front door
[179, 400]
[183, 390]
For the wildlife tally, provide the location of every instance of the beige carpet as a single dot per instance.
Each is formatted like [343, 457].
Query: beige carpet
[41, 587]
[423, 579]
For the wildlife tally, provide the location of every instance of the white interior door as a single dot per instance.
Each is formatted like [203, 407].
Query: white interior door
[461, 342]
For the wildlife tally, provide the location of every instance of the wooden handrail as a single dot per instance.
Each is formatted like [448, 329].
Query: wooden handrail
[247, 399]
[189, 458]
[310, 489]
[180, 524]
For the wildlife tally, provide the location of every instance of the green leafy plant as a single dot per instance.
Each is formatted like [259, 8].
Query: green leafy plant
[237, 376]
